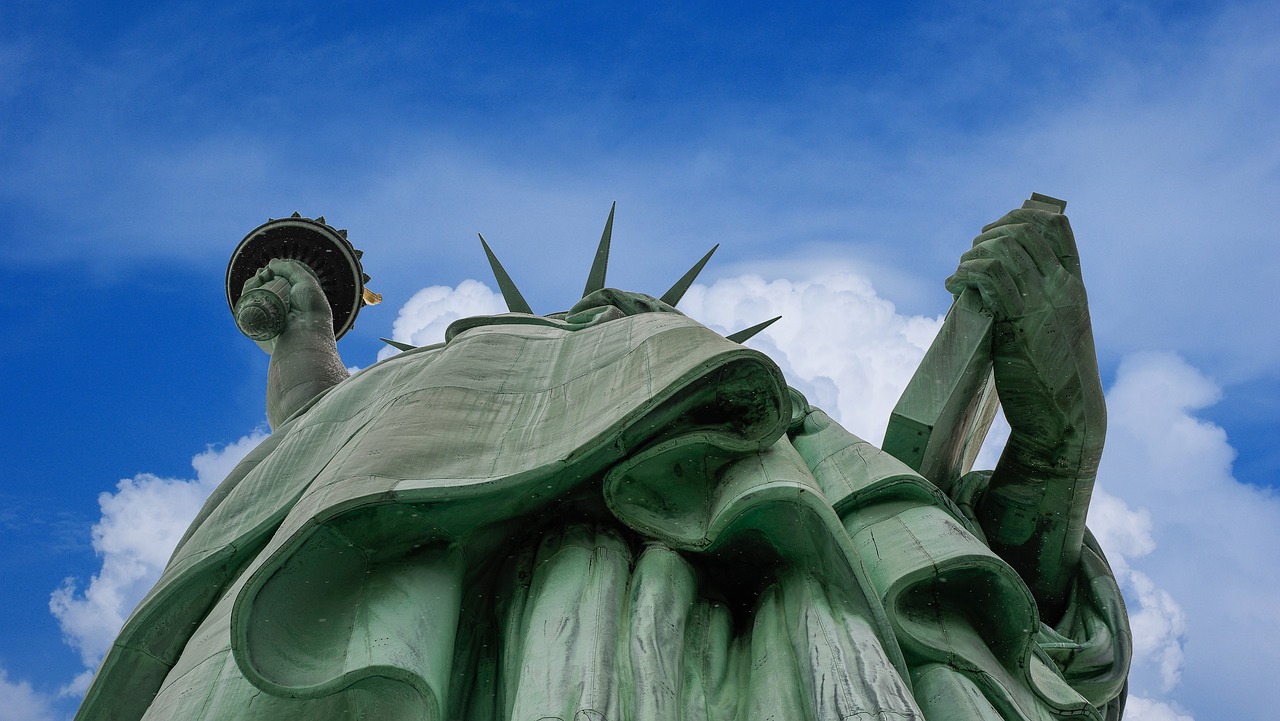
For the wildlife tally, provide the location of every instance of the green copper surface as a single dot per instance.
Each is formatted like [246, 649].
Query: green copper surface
[510, 293]
[747, 334]
[262, 312]
[617, 514]
[397, 344]
[676, 292]
[600, 264]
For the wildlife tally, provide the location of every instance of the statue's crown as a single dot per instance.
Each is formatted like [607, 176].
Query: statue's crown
[595, 280]
[595, 292]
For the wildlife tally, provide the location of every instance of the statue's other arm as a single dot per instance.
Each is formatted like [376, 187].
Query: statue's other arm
[304, 357]
[1026, 268]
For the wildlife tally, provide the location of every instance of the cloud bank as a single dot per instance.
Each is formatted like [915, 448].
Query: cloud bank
[1199, 546]
[841, 344]
[141, 524]
[19, 702]
[423, 319]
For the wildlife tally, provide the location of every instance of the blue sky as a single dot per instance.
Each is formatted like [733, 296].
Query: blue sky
[139, 144]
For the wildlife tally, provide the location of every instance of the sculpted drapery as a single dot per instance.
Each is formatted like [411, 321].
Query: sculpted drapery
[614, 513]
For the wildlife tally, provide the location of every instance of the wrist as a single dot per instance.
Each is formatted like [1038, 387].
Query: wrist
[1038, 458]
[304, 363]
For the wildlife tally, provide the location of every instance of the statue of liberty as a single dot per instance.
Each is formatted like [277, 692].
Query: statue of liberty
[614, 513]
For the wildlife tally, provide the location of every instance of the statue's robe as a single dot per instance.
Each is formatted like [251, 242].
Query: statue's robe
[611, 517]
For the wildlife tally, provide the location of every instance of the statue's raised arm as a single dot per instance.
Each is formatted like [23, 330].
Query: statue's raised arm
[304, 356]
[295, 285]
[1027, 270]
[1020, 311]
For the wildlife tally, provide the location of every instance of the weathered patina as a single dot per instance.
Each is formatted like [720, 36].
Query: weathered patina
[616, 513]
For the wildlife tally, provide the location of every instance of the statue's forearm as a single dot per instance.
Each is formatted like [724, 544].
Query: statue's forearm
[1034, 509]
[304, 363]
[1034, 517]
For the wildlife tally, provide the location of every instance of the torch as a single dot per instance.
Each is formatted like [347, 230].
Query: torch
[261, 312]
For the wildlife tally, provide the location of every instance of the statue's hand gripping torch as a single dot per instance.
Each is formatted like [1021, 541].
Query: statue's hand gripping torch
[262, 310]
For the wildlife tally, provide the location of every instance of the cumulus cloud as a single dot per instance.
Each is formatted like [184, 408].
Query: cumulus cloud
[1191, 545]
[20, 702]
[425, 316]
[1123, 532]
[1138, 708]
[1157, 620]
[141, 524]
[841, 344]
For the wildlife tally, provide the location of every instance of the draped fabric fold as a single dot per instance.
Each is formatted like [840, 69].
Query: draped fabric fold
[615, 515]
[956, 607]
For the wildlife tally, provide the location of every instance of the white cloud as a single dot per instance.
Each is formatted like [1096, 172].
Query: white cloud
[1157, 620]
[1138, 708]
[1194, 556]
[76, 687]
[841, 344]
[1158, 626]
[1123, 532]
[141, 524]
[425, 316]
[20, 702]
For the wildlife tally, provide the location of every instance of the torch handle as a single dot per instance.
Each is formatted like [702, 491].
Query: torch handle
[261, 312]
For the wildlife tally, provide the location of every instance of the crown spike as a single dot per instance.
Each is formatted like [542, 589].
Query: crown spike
[511, 294]
[595, 281]
[677, 291]
[743, 335]
[397, 344]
